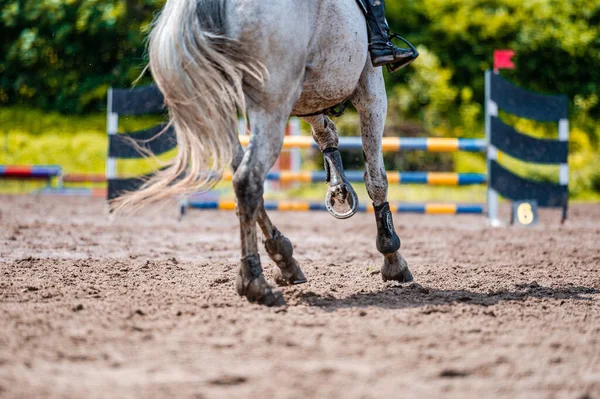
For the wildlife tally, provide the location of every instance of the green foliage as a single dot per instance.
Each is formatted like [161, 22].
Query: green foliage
[429, 94]
[557, 45]
[63, 55]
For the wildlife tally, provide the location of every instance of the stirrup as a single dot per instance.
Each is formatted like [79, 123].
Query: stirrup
[394, 67]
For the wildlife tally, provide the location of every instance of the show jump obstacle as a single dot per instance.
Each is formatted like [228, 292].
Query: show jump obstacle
[55, 179]
[33, 172]
[502, 95]
[133, 102]
[500, 137]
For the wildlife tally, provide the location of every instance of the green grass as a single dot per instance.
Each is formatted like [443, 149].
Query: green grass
[77, 143]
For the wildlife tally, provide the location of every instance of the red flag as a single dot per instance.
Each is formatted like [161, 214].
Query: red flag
[503, 59]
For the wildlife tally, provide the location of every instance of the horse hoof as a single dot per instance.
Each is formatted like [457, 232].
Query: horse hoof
[341, 201]
[284, 278]
[259, 291]
[272, 298]
[395, 268]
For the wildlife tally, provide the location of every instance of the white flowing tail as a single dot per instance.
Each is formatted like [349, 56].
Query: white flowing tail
[202, 75]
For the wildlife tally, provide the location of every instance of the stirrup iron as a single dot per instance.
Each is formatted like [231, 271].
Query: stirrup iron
[399, 65]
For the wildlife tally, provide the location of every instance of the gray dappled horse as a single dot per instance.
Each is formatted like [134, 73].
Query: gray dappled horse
[215, 60]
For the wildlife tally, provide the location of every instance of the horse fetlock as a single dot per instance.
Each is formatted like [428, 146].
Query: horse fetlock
[281, 251]
[387, 241]
[251, 283]
[279, 247]
[395, 268]
[249, 270]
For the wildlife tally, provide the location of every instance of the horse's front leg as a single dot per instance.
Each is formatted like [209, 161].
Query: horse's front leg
[371, 102]
[341, 200]
[279, 247]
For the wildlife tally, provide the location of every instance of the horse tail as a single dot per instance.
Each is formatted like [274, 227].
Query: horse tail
[202, 75]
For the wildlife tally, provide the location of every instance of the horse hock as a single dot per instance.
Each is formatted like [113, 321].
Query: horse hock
[341, 200]
[388, 243]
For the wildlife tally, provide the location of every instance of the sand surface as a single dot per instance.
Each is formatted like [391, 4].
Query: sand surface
[145, 306]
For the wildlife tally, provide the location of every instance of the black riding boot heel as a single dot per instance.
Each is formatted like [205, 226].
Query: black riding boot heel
[383, 51]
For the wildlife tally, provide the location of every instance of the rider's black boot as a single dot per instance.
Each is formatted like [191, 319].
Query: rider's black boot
[383, 51]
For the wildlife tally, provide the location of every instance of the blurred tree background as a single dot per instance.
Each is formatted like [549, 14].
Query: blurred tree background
[61, 56]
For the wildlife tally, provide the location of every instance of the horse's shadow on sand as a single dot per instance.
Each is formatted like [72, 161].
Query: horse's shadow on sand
[414, 296]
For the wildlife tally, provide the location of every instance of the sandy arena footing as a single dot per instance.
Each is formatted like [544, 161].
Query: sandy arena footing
[145, 306]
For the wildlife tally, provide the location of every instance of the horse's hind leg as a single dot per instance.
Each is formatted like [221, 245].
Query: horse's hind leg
[279, 247]
[248, 182]
[371, 102]
[341, 201]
